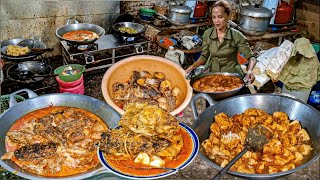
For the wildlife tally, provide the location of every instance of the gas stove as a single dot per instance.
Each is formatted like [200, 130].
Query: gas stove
[104, 52]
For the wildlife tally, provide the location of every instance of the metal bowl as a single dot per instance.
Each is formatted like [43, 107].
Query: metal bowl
[138, 27]
[217, 95]
[308, 116]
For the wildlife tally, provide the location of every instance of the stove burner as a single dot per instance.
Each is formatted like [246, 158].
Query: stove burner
[128, 39]
[87, 47]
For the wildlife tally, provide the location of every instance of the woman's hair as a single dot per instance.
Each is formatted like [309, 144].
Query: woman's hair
[224, 4]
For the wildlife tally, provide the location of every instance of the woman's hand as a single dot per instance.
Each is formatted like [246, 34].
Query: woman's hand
[249, 78]
[189, 69]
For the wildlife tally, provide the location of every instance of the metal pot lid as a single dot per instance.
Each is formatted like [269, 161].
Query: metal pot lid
[180, 9]
[255, 11]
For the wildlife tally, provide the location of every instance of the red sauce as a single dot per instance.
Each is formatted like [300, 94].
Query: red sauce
[37, 114]
[79, 35]
[181, 158]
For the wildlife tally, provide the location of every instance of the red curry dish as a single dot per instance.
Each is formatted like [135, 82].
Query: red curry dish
[55, 141]
[217, 83]
[80, 35]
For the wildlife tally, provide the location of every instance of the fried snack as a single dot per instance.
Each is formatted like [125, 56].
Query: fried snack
[217, 83]
[13, 50]
[289, 147]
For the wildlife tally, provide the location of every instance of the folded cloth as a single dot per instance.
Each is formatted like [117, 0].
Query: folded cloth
[271, 62]
[302, 71]
[279, 60]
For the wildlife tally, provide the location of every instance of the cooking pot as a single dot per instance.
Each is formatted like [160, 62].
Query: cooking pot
[254, 20]
[17, 110]
[217, 95]
[79, 26]
[296, 110]
[178, 15]
[37, 44]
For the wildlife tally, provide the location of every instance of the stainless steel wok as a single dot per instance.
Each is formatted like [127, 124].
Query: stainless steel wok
[17, 110]
[296, 109]
[138, 27]
[37, 44]
[79, 26]
[217, 95]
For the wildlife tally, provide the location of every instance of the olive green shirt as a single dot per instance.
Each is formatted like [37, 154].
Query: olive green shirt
[223, 57]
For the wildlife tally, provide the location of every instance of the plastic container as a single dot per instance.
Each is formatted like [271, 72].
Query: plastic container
[75, 87]
[69, 78]
[145, 17]
[146, 11]
[284, 13]
[272, 5]
[192, 5]
[176, 56]
[200, 10]
[314, 97]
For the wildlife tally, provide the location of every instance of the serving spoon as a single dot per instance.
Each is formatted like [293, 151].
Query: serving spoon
[258, 135]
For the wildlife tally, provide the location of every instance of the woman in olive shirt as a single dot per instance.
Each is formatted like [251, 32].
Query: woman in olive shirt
[221, 45]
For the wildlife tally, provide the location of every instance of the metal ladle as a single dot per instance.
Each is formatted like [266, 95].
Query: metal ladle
[258, 135]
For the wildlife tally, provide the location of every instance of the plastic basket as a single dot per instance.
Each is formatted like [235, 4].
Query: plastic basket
[5, 101]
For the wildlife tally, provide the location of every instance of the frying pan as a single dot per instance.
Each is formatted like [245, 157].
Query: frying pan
[32, 52]
[19, 72]
[79, 26]
[138, 27]
[37, 44]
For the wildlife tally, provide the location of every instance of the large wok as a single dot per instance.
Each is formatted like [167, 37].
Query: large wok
[17, 110]
[296, 109]
[79, 26]
[138, 27]
[217, 95]
[22, 72]
[37, 44]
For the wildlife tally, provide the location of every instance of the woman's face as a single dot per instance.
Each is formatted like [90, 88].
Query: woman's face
[219, 18]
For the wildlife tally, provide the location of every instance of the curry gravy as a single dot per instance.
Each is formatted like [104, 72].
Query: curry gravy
[183, 155]
[90, 157]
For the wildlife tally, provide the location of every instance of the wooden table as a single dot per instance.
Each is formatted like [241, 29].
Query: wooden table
[208, 22]
[289, 34]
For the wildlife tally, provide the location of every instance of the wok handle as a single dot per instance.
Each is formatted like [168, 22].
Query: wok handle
[195, 98]
[69, 21]
[13, 102]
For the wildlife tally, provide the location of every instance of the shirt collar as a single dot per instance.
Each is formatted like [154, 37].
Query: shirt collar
[226, 36]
